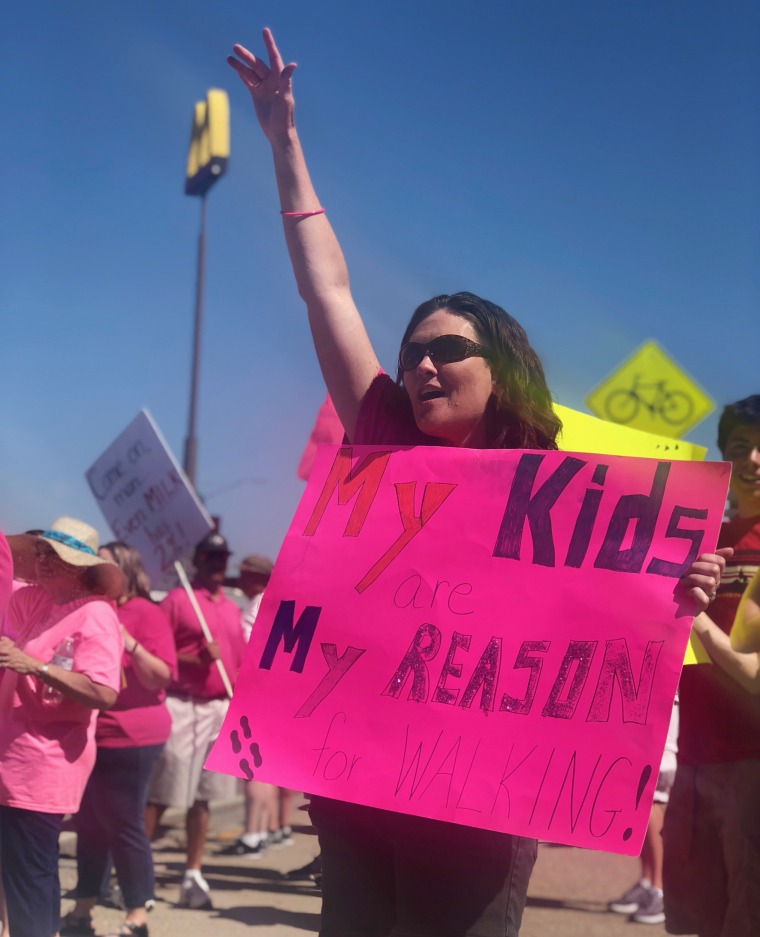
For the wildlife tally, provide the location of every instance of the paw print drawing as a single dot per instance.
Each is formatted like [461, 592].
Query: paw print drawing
[253, 748]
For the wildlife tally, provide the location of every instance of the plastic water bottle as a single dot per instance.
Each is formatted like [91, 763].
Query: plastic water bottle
[63, 658]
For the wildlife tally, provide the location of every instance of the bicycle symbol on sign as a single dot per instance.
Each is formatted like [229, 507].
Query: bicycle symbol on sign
[673, 406]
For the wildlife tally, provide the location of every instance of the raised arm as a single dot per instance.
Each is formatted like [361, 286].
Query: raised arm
[343, 348]
[745, 633]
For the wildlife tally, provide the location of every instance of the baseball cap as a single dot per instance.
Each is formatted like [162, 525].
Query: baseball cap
[212, 543]
[256, 564]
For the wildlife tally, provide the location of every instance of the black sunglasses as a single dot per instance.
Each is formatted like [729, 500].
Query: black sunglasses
[441, 350]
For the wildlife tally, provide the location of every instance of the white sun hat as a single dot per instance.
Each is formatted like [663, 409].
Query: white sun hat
[76, 543]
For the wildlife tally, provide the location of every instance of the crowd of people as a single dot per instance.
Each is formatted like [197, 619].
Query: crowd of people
[108, 704]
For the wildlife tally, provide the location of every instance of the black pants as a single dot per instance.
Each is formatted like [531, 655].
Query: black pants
[29, 859]
[111, 825]
[390, 873]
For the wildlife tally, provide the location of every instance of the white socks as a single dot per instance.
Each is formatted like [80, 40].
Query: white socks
[251, 839]
[646, 883]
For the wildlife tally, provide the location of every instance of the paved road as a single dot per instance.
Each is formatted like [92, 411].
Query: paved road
[252, 898]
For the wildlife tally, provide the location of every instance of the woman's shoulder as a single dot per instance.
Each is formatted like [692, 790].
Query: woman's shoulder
[140, 609]
[28, 602]
[386, 417]
[140, 604]
[95, 612]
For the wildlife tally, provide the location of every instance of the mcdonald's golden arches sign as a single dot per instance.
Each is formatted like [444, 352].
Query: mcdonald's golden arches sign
[209, 143]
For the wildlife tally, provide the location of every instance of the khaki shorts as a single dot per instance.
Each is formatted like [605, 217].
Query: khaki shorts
[179, 778]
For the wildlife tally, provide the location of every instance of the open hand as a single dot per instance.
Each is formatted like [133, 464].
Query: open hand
[270, 86]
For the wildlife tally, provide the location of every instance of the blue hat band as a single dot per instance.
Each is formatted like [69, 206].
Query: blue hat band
[67, 541]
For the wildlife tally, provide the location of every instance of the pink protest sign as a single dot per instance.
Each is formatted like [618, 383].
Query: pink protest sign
[485, 637]
[327, 430]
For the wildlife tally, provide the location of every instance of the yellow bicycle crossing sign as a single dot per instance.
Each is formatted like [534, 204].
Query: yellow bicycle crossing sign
[649, 391]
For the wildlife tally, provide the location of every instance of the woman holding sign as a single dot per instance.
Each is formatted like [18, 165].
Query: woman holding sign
[467, 376]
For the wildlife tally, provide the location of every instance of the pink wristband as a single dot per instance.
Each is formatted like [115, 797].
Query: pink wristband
[302, 214]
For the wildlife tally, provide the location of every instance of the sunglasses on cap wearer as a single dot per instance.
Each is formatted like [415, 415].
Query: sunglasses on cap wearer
[444, 349]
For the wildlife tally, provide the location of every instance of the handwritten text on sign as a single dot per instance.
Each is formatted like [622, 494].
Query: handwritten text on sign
[485, 637]
[146, 497]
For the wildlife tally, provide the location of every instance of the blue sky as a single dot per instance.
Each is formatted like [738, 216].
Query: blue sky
[593, 166]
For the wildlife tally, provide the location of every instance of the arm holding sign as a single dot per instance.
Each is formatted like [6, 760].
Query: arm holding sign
[345, 354]
[745, 634]
[700, 583]
[208, 654]
[210, 651]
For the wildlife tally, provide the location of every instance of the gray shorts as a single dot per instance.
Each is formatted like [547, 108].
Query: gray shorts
[712, 850]
[179, 778]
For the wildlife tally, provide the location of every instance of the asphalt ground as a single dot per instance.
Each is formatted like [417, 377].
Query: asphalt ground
[568, 895]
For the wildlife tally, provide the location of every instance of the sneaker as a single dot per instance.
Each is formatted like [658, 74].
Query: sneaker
[651, 911]
[281, 837]
[631, 900]
[243, 850]
[194, 893]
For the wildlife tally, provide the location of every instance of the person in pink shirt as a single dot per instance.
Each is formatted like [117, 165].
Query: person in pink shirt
[61, 668]
[197, 702]
[467, 377]
[130, 737]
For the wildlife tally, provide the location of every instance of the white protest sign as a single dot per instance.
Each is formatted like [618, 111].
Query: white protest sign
[146, 497]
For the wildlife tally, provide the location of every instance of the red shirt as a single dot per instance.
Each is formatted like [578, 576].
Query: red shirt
[720, 721]
[223, 619]
[386, 417]
[140, 716]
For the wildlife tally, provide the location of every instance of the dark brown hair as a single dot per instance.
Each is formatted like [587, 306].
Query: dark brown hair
[744, 412]
[520, 414]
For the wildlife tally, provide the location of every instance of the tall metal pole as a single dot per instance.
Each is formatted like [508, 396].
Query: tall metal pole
[191, 442]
